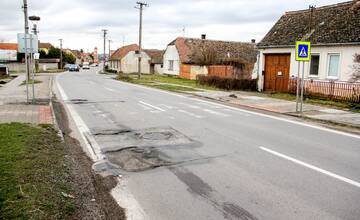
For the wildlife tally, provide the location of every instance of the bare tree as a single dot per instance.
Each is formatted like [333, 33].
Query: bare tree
[205, 54]
[356, 68]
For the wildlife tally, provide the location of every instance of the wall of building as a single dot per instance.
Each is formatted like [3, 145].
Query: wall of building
[345, 63]
[129, 64]
[158, 69]
[171, 53]
[115, 65]
[20, 67]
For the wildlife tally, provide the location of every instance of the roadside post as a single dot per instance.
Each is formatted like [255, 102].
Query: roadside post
[302, 55]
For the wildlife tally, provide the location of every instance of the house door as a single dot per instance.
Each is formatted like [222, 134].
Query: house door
[277, 68]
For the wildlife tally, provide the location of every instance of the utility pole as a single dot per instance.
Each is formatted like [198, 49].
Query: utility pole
[109, 48]
[141, 8]
[35, 31]
[61, 56]
[25, 7]
[104, 56]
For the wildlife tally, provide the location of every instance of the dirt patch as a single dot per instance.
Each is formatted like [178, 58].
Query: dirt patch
[92, 191]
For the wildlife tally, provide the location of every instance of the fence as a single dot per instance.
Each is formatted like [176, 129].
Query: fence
[333, 90]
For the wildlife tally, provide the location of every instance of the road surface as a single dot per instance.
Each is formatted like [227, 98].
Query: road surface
[212, 161]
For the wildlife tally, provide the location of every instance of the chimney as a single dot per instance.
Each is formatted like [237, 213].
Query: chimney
[203, 37]
[253, 41]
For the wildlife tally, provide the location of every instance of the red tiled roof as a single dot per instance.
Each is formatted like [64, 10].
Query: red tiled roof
[45, 45]
[8, 46]
[121, 52]
[198, 51]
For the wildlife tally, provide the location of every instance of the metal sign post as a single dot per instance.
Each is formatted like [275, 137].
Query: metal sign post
[302, 52]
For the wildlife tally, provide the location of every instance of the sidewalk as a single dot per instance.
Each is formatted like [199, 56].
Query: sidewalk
[13, 106]
[283, 107]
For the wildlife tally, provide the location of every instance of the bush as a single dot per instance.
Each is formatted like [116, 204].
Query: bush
[227, 83]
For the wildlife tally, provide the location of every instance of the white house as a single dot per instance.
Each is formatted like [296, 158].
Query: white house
[126, 60]
[334, 32]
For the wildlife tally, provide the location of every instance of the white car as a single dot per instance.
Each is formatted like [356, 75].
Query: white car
[86, 66]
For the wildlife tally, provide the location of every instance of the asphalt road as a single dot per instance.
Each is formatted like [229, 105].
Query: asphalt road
[225, 163]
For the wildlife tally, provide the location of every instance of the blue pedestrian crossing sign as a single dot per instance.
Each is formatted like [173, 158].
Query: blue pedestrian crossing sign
[303, 51]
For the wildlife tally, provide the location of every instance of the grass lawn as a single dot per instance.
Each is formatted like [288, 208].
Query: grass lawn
[318, 101]
[170, 83]
[30, 82]
[33, 176]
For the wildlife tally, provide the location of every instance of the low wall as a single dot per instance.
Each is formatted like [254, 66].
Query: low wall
[21, 67]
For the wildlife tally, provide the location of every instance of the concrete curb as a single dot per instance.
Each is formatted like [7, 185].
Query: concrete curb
[55, 122]
[287, 114]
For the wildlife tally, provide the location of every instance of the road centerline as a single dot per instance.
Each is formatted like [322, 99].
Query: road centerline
[320, 170]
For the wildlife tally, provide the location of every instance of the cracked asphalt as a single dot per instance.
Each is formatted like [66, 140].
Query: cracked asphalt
[216, 162]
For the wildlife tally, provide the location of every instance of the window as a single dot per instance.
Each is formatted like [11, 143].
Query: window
[314, 64]
[171, 65]
[333, 65]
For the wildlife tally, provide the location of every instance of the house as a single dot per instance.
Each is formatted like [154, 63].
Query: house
[8, 52]
[156, 60]
[334, 32]
[189, 57]
[126, 60]
[119, 54]
[44, 46]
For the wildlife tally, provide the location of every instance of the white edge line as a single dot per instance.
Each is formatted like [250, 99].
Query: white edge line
[126, 199]
[336, 176]
[154, 107]
[120, 192]
[249, 112]
[93, 148]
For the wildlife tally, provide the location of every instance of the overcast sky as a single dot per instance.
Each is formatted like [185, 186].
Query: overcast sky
[79, 22]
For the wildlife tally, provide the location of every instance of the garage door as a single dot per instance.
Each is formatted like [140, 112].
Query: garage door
[277, 68]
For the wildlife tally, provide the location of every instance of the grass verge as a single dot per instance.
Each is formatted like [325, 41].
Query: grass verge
[33, 180]
[169, 83]
[354, 107]
[30, 82]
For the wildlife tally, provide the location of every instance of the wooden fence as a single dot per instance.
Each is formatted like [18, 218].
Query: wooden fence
[333, 90]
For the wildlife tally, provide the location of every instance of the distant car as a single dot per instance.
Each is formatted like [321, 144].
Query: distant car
[86, 66]
[67, 66]
[74, 68]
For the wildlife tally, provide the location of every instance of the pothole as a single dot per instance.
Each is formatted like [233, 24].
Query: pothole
[111, 132]
[136, 159]
[163, 135]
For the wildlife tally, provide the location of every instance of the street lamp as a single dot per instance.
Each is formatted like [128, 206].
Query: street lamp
[34, 19]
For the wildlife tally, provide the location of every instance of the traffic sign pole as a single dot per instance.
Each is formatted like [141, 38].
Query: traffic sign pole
[302, 54]
[302, 87]
[298, 87]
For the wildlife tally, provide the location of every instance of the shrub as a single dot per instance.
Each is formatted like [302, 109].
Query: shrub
[227, 83]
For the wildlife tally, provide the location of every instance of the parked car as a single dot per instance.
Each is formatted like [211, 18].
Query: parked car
[86, 66]
[67, 66]
[74, 68]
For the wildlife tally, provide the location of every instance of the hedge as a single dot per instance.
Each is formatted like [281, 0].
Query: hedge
[227, 83]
